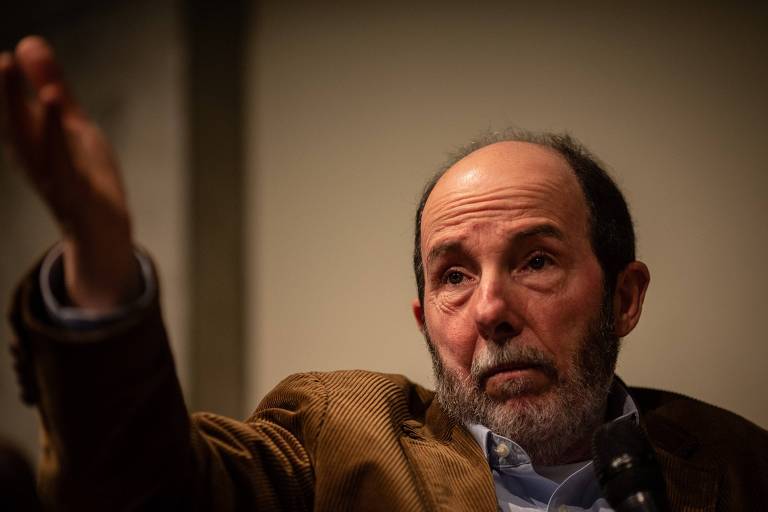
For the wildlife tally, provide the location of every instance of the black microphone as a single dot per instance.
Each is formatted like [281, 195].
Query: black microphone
[627, 469]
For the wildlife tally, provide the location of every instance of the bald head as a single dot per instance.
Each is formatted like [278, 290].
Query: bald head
[501, 161]
[505, 176]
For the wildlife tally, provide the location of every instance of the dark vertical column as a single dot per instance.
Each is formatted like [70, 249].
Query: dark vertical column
[215, 108]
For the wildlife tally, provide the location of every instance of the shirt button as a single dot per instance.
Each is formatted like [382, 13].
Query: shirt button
[502, 450]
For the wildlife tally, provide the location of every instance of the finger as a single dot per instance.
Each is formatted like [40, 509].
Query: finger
[38, 63]
[15, 114]
[6, 63]
[57, 178]
[57, 153]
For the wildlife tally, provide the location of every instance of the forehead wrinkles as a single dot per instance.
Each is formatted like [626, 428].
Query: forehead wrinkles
[453, 208]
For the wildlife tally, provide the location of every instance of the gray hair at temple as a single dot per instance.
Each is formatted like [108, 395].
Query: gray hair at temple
[612, 233]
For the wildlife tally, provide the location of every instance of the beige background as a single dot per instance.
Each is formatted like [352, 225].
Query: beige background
[350, 108]
[354, 108]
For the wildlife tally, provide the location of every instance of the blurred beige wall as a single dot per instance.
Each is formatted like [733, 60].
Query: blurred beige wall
[352, 107]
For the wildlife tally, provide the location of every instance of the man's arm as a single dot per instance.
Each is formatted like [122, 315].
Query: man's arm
[116, 431]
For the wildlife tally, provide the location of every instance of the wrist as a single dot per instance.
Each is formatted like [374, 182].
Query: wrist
[100, 279]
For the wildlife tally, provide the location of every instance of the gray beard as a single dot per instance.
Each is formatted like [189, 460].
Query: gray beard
[548, 426]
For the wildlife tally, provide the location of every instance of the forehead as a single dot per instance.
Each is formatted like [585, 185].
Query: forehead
[506, 181]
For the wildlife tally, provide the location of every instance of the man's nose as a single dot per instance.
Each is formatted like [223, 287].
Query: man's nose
[496, 309]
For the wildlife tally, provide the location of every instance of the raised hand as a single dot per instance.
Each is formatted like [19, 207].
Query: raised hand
[71, 165]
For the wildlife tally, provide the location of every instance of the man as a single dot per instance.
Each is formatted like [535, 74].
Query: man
[526, 279]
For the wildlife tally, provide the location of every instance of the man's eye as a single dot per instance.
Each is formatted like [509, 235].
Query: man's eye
[454, 277]
[538, 262]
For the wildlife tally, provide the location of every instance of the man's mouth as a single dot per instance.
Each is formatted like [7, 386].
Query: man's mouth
[527, 376]
[509, 369]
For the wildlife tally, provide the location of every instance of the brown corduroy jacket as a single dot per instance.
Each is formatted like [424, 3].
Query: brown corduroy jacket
[118, 436]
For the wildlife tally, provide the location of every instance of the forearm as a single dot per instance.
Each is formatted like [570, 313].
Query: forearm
[116, 429]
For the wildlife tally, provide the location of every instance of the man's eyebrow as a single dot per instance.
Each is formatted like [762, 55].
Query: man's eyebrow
[544, 230]
[456, 246]
[444, 248]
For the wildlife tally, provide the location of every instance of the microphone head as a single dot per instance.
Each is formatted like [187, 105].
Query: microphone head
[626, 464]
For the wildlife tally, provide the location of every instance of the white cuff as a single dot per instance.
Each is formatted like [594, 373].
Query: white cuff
[52, 278]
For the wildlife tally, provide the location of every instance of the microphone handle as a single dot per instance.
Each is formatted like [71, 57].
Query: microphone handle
[639, 502]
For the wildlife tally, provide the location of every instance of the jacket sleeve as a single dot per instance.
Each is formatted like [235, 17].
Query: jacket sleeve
[116, 434]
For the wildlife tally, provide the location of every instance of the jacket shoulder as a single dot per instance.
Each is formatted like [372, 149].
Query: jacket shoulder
[364, 388]
[354, 390]
[711, 439]
[695, 429]
[375, 381]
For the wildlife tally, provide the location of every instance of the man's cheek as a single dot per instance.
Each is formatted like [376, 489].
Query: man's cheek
[461, 344]
[561, 332]
[455, 343]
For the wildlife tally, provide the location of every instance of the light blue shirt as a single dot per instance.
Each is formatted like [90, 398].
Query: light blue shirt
[523, 487]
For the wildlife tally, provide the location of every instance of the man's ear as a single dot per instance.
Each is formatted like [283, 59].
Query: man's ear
[631, 284]
[418, 313]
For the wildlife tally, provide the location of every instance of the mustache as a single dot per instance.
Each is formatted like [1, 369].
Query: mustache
[510, 356]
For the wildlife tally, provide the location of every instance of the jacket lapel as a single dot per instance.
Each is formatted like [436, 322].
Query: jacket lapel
[449, 466]
[690, 488]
